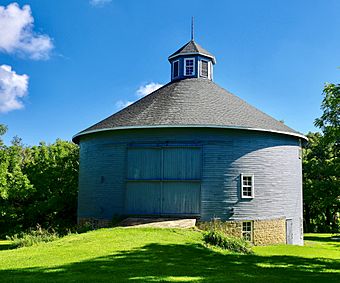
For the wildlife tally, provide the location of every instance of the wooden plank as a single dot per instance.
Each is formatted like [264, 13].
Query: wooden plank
[143, 198]
[182, 163]
[181, 198]
[144, 163]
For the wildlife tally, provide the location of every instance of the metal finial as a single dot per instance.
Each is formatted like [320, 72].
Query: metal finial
[192, 28]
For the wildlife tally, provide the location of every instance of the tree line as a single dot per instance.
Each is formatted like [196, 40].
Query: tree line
[39, 184]
[321, 167]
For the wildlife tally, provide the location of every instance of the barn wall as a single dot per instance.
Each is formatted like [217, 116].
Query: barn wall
[277, 170]
[101, 180]
[272, 158]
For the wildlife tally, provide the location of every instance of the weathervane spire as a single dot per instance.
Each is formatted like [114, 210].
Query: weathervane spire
[192, 28]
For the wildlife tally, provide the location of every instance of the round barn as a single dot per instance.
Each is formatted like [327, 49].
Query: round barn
[192, 149]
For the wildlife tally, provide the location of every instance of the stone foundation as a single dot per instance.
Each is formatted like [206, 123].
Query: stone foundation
[269, 232]
[264, 232]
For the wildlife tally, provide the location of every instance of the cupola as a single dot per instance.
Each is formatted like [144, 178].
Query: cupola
[191, 61]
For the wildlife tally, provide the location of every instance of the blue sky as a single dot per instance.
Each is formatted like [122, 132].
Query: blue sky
[79, 61]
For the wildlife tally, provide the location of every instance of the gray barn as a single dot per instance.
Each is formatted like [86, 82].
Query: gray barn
[192, 149]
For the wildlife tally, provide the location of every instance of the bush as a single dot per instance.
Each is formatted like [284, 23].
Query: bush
[32, 237]
[38, 184]
[85, 227]
[237, 245]
[215, 224]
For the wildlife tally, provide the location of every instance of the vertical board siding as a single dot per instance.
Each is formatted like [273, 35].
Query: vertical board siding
[143, 198]
[272, 158]
[181, 197]
[144, 163]
[169, 192]
[182, 163]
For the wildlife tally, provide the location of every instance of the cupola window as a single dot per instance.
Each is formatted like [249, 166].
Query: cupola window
[175, 68]
[204, 69]
[189, 67]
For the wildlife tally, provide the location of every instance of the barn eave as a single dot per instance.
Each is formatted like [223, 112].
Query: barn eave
[76, 137]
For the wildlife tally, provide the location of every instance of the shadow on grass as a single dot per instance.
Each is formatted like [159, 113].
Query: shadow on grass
[7, 246]
[154, 263]
[334, 238]
[331, 241]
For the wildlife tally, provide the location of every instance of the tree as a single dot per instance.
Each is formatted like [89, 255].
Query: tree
[38, 185]
[321, 167]
[321, 191]
[3, 130]
[53, 170]
[329, 122]
[15, 187]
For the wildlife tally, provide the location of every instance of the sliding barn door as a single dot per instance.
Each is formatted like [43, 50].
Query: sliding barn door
[163, 181]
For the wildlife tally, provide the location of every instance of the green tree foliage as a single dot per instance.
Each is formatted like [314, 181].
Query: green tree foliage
[15, 188]
[329, 122]
[38, 185]
[53, 170]
[321, 166]
[3, 130]
[321, 185]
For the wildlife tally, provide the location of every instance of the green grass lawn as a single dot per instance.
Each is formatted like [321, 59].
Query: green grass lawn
[166, 255]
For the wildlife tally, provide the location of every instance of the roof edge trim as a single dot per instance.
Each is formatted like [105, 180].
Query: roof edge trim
[189, 126]
[193, 53]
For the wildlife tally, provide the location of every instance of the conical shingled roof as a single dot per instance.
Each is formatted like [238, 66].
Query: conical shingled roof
[192, 48]
[193, 102]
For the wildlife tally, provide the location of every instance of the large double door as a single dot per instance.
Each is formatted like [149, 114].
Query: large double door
[163, 180]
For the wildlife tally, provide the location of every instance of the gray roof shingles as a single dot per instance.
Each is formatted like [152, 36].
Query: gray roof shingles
[191, 102]
[191, 47]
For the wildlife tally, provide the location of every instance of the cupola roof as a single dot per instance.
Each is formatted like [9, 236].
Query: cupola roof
[192, 48]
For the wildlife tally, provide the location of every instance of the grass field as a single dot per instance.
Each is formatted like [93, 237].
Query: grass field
[166, 255]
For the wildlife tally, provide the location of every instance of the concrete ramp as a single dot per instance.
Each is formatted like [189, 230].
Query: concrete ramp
[158, 223]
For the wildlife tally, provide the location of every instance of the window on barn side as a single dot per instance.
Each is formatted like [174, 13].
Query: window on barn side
[247, 230]
[247, 186]
[189, 67]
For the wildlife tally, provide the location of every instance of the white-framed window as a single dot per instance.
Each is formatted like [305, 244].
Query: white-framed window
[204, 72]
[247, 230]
[247, 185]
[175, 69]
[189, 66]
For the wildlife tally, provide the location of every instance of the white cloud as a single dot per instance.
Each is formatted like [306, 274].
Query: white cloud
[147, 89]
[17, 35]
[142, 91]
[12, 88]
[99, 2]
[120, 104]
